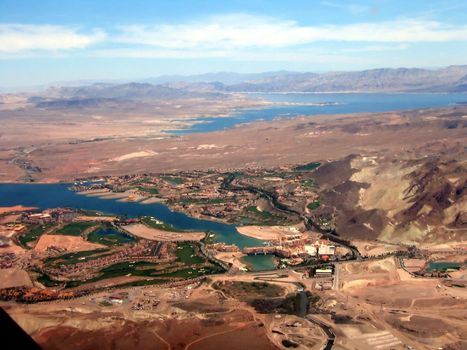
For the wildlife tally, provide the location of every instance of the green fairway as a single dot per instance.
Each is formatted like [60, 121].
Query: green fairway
[73, 258]
[152, 222]
[173, 180]
[149, 190]
[186, 254]
[34, 233]
[76, 228]
[314, 205]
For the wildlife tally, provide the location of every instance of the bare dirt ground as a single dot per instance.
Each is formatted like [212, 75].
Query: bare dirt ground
[15, 208]
[96, 218]
[232, 258]
[30, 129]
[387, 306]
[253, 145]
[13, 248]
[69, 243]
[14, 277]
[373, 248]
[183, 318]
[390, 309]
[267, 232]
[147, 232]
[361, 275]
[9, 218]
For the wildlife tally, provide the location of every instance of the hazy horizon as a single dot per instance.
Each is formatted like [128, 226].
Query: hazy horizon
[172, 77]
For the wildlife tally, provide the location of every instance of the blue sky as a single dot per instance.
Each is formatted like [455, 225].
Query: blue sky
[47, 41]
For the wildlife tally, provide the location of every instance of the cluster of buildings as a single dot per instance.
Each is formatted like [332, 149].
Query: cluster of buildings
[222, 247]
[7, 260]
[8, 231]
[31, 295]
[57, 215]
[195, 193]
[11, 229]
[296, 246]
[322, 272]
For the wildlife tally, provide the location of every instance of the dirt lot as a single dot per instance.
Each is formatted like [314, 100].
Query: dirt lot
[372, 248]
[96, 218]
[69, 243]
[207, 323]
[14, 278]
[387, 306]
[387, 310]
[146, 232]
[361, 275]
[267, 232]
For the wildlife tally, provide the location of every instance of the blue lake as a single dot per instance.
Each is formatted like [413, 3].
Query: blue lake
[111, 235]
[45, 196]
[259, 262]
[294, 104]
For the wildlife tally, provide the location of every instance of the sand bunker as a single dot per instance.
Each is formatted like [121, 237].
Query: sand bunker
[147, 232]
[69, 243]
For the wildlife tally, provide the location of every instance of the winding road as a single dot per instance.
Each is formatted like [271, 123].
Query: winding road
[309, 224]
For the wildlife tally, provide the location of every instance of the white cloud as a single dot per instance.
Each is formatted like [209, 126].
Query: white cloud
[16, 38]
[235, 36]
[239, 31]
[227, 32]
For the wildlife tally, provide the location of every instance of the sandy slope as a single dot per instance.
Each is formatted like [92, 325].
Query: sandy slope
[70, 243]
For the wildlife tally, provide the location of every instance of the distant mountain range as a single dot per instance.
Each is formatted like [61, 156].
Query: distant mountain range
[99, 94]
[227, 78]
[449, 79]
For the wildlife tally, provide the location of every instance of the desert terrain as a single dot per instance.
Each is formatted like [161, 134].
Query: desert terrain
[205, 175]
[32, 123]
[384, 193]
[401, 135]
[373, 303]
[151, 233]
[127, 137]
[70, 243]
